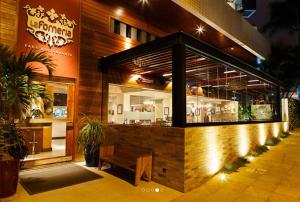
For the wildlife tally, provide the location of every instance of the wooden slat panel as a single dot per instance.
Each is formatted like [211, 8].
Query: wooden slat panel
[8, 22]
[96, 41]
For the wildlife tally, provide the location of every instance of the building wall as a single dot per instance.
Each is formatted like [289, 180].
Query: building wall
[8, 22]
[167, 145]
[207, 149]
[185, 158]
[97, 41]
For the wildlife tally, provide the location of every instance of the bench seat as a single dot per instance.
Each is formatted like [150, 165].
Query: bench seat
[132, 158]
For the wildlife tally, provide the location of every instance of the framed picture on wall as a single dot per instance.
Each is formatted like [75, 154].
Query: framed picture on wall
[120, 109]
[166, 110]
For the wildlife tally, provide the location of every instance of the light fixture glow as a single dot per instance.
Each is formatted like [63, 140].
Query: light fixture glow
[275, 130]
[262, 134]
[200, 29]
[253, 81]
[223, 177]
[144, 2]
[259, 84]
[206, 86]
[168, 74]
[213, 152]
[119, 12]
[146, 72]
[250, 158]
[243, 140]
[285, 127]
[228, 72]
[220, 86]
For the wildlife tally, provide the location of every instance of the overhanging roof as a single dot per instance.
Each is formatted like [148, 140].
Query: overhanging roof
[191, 43]
[219, 15]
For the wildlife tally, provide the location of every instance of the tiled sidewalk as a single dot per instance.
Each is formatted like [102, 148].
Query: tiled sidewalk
[273, 176]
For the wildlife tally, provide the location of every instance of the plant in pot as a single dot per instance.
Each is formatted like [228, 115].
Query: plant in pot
[12, 149]
[91, 136]
[18, 89]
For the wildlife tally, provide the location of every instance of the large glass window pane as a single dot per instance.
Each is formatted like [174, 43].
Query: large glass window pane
[142, 106]
[216, 92]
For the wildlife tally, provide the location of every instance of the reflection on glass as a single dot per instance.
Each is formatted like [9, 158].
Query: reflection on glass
[219, 93]
[139, 106]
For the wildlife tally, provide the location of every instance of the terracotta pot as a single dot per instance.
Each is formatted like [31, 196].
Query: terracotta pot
[9, 174]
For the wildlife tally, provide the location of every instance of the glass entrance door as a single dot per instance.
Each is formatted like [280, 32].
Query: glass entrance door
[46, 132]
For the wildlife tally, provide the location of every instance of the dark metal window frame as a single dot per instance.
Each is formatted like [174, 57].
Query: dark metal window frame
[179, 42]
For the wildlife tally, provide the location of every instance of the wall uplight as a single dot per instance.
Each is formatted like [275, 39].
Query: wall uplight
[285, 127]
[243, 140]
[144, 2]
[223, 177]
[213, 158]
[262, 134]
[275, 130]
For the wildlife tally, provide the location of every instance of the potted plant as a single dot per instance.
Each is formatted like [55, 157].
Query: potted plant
[91, 136]
[18, 89]
[12, 149]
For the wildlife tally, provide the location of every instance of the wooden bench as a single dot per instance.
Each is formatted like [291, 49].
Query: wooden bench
[135, 159]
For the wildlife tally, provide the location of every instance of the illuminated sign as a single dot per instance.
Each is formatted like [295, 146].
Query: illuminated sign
[49, 27]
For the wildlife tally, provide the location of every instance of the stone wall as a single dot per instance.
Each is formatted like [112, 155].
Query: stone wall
[208, 148]
[183, 158]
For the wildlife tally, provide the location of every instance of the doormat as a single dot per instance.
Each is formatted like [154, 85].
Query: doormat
[38, 180]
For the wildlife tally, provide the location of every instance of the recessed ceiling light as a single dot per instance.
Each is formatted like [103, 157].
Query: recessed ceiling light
[232, 48]
[228, 72]
[119, 12]
[200, 29]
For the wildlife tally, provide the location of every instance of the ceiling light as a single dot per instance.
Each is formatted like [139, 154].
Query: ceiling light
[200, 29]
[168, 74]
[228, 72]
[259, 84]
[252, 81]
[205, 86]
[119, 12]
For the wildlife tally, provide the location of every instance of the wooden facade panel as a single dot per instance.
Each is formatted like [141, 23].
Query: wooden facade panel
[8, 22]
[97, 41]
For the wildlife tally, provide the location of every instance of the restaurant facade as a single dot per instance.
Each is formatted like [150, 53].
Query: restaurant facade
[173, 76]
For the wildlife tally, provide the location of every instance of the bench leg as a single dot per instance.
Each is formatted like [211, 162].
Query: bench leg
[100, 165]
[138, 171]
[148, 168]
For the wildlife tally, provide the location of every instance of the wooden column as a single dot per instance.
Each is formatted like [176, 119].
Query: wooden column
[179, 85]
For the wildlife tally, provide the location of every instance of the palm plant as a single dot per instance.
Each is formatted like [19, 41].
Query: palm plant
[91, 136]
[17, 85]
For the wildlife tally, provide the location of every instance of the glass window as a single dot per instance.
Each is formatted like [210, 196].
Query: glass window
[142, 106]
[220, 93]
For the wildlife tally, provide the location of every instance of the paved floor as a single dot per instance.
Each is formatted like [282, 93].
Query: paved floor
[273, 176]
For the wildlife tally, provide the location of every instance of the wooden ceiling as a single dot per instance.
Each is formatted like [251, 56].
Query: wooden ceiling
[200, 71]
[172, 18]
